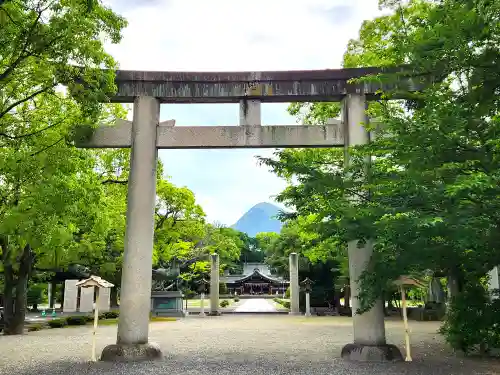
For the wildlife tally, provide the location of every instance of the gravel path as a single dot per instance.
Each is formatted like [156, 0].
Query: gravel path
[256, 305]
[235, 344]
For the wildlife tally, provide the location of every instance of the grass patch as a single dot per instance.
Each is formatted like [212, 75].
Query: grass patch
[36, 327]
[108, 322]
[154, 319]
[195, 303]
[282, 303]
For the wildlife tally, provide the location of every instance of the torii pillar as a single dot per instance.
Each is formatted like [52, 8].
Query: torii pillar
[368, 328]
[135, 297]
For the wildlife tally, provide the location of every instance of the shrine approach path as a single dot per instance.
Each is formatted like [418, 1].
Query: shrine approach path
[255, 305]
[270, 344]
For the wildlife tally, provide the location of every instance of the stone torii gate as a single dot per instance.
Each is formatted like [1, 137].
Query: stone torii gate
[145, 135]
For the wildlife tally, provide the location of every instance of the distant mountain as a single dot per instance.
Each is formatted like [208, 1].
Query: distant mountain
[260, 218]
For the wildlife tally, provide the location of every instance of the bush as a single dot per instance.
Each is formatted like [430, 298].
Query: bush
[285, 304]
[236, 299]
[89, 318]
[35, 327]
[224, 303]
[111, 314]
[57, 323]
[77, 320]
[287, 293]
[473, 321]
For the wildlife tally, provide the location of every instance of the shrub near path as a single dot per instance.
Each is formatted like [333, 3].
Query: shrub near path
[107, 318]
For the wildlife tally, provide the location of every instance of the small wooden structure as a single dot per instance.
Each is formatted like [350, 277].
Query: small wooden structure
[97, 283]
[401, 283]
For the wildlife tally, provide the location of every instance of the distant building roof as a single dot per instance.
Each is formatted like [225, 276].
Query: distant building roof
[250, 267]
[242, 278]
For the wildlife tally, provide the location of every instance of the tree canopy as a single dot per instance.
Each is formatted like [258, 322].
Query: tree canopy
[430, 199]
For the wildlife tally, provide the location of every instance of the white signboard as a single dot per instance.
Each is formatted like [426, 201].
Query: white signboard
[70, 296]
[86, 299]
[104, 295]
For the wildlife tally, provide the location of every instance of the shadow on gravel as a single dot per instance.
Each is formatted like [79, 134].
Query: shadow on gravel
[236, 364]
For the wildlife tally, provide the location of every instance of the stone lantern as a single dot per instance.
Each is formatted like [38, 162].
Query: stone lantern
[307, 287]
[202, 289]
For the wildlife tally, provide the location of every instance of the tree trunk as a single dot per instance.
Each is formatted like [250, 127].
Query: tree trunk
[16, 307]
[347, 296]
[337, 302]
[113, 297]
[8, 294]
[61, 296]
[52, 300]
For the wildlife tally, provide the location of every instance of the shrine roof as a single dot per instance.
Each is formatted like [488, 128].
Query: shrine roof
[242, 278]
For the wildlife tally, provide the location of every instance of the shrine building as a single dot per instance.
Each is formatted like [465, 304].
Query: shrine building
[256, 279]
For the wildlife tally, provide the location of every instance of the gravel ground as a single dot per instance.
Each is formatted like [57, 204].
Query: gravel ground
[235, 345]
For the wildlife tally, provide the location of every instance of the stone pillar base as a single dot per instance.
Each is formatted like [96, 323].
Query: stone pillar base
[371, 353]
[132, 353]
[295, 313]
[214, 313]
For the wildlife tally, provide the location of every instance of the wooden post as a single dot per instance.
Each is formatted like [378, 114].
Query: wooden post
[96, 320]
[405, 322]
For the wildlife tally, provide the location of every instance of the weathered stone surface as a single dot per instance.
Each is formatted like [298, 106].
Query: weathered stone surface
[231, 87]
[371, 353]
[200, 137]
[135, 295]
[133, 353]
[294, 283]
[70, 296]
[214, 285]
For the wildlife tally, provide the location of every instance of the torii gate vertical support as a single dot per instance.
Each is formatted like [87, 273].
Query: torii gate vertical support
[145, 135]
[135, 297]
[368, 328]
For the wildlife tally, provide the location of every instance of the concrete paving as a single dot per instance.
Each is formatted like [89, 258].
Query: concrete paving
[235, 345]
[256, 305]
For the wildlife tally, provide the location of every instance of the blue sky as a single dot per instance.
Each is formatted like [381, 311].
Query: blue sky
[229, 35]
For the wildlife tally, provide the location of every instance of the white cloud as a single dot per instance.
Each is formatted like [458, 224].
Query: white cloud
[219, 35]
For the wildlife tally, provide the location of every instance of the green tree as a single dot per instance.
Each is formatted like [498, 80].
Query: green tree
[316, 262]
[49, 43]
[250, 252]
[99, 245]
[179, 223]
[48, 189]
[431, 198]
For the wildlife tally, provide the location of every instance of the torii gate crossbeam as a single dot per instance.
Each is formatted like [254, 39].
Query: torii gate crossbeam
[145, 135]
